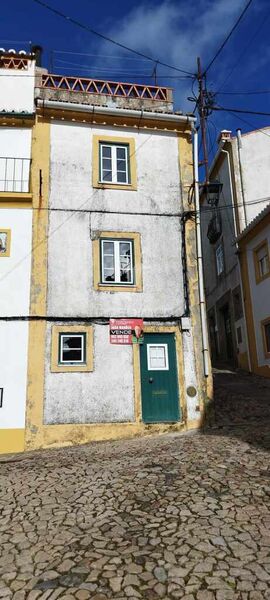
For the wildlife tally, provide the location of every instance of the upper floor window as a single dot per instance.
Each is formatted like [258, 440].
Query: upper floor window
[72, 348]
[261, 261]
[220, 259]
[117, 261]
[114, 162]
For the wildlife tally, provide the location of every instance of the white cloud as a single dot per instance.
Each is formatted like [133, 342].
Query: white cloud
[175, 33]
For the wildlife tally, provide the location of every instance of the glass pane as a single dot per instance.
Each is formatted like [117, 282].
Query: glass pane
[109, 275]
[124, 249]
[108, 248]
[71, 342]
[72, 355]
[267, 336]
[106, 151]
[3, 242]
[121, 165]
[157, 357]
[106, 164]
[120, 152]
[121, 177]
[108, 262]
[106, 176]
[125, 275]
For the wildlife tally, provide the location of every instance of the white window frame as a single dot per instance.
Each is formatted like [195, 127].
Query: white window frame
[117, 269]
[165, 346]
[62, 335]
[114, 148]
[220, 253]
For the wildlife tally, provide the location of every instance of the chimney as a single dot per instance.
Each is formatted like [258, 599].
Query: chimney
[37, 51]
[224, 136]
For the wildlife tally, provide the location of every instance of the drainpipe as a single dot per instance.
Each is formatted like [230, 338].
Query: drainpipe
[205, 348]
[239, 151]
[238, 260]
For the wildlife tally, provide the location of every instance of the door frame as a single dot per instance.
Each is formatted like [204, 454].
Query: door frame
[179, 368]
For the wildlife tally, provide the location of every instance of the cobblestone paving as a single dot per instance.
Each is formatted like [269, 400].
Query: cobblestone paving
[172, 516]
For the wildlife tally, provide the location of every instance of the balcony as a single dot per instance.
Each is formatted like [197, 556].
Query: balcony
[14, 175]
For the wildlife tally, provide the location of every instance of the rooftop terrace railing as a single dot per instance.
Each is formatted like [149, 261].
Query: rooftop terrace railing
[109, 88]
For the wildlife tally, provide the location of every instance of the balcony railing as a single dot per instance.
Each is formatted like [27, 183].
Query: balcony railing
[14, 174]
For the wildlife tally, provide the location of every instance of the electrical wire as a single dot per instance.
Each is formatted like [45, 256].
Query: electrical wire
[250, 124]
[227, 37]
[240, 110]
[106, 38]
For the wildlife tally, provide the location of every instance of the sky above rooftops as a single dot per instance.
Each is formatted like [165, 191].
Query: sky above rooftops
[175, 32]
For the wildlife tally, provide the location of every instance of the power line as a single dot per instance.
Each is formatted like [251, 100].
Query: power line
[250, 124]
[240, 110]
[106, 38]
[227, 37]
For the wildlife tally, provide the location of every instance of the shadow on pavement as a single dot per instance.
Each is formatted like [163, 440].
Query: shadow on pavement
[240, 407]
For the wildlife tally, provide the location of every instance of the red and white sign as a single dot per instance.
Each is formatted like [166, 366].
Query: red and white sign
[126, 331]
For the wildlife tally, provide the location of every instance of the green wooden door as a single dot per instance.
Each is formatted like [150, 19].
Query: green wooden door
[159, 384]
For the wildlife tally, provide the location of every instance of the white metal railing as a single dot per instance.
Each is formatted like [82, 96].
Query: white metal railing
[14, 174]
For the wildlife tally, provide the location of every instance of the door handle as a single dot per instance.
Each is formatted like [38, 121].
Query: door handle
[151, 379]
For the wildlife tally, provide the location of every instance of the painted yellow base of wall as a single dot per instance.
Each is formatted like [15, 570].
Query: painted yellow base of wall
[56, 436]
[242, 360]
[11, 440]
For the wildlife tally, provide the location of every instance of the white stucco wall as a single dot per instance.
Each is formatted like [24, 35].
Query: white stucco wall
[17, 89]
[15, 270]
[104, 395]
[255, 156]
[260, 294]
[13, 373]
[15, 143]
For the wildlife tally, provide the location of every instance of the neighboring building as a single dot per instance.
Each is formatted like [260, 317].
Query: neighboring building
[17, 119]
[111, 173]
[242, 166]
[254, 252]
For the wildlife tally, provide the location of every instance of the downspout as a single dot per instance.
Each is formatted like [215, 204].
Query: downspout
[239, 148]
[238, 260]
[205, 348]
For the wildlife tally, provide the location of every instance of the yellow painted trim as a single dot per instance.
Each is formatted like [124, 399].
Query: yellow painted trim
[38, 300]
[56, 330]
[263, 323]
[179, 364]
[7, 251]
[101, 287]
[11, 440]
[15, 204]
[242, 359]
[96, 140]
[258, 275]
[19, 197]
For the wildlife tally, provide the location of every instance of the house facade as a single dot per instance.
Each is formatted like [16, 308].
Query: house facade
[254, 252]
[111, 174]
[241, 166]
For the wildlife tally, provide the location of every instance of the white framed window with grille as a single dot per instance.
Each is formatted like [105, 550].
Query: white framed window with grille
[117, 262]
[114, 163]
[220, 259]
[72, 349]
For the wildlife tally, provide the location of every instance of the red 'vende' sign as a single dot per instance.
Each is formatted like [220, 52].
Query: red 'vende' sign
[126, 331]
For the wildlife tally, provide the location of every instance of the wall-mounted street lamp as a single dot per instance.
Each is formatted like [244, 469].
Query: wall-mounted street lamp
[212, 191]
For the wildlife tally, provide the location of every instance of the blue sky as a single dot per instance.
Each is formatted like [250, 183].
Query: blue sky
[172, 31]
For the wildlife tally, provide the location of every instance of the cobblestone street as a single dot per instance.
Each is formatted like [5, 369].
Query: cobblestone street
[172, 516]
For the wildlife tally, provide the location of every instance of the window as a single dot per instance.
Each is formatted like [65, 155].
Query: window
[237, 303]
[266, 337]
[5, 235]
[72, 348]
[117, 261]
[157, 357]
[239, 335]
[114, 162]
[220, 259]
[261, 261]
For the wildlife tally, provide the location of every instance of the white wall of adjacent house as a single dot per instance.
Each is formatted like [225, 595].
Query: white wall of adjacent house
[14, 301]
[17, 89]
[260, 294]
[15, 155]
[255, 155]
[105, 395]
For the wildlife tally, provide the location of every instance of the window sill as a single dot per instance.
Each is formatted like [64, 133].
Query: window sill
[115, 186]
[103, 287]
